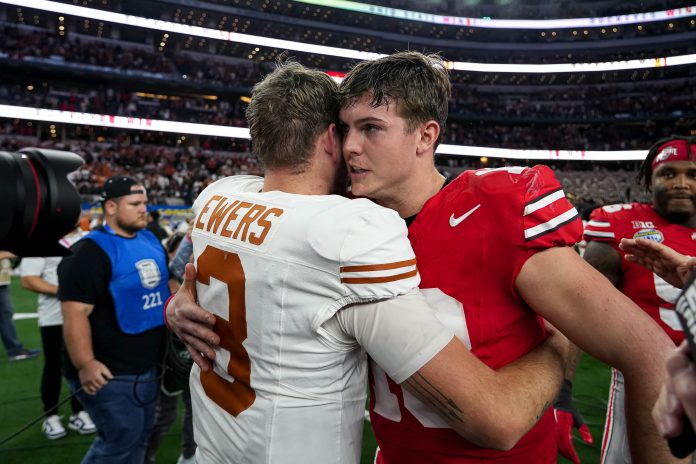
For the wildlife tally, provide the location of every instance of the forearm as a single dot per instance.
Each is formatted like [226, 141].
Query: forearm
[529, 386]
[77, 334]
[626, 338]
[607, 325]
[639, 354]
[491, 409]
[39, 285]
[646, 445]
[643, 380]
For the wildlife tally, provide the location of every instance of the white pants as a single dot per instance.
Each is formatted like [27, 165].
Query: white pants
[615, 439]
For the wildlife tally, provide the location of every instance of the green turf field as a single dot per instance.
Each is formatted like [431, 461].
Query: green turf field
[20, 404]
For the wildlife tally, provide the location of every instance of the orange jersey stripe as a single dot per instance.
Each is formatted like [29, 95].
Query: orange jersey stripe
[379, 280]
[378, 267]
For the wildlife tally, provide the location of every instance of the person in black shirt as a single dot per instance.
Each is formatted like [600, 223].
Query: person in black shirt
[112, 290]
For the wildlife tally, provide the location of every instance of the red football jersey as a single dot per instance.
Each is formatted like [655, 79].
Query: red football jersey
[610, 224]
[471, 240]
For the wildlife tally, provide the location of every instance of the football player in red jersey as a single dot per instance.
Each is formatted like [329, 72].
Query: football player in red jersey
[669, 171]
[494, 250]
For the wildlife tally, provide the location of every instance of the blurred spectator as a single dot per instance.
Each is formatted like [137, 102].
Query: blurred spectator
[154, 226]
[8, 331]
[180, 250]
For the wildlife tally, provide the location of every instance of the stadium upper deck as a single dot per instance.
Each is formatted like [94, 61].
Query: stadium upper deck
[617, 109]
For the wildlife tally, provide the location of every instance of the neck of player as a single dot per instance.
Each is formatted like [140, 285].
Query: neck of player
[408, 198]
[305, 183]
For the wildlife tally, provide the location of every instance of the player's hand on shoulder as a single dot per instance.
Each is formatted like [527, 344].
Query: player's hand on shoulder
[191, 323]
[93, 376]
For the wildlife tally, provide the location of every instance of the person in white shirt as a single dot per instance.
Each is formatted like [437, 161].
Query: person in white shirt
[40, 275]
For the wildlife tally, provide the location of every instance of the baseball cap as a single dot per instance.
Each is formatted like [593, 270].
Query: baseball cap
[119, 186]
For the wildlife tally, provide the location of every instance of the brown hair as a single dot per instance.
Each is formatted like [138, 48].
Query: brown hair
[289, 109]
[418, 84]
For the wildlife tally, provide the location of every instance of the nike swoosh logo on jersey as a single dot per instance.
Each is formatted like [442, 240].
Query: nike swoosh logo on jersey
[454, 222]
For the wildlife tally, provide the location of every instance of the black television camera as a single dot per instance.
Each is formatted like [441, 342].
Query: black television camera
[38, 205]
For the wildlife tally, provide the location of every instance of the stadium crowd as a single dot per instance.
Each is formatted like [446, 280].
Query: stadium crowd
[177, 175]
[561, 118]
[171, 175]
[29, 43]
[560, 103]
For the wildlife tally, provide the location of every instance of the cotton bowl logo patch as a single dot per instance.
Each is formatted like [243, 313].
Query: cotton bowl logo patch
[650, 234]
[149, 273]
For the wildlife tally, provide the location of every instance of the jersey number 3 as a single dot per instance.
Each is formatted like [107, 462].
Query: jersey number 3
[237, 396]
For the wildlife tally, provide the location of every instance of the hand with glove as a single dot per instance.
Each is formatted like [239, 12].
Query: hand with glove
[568, 417]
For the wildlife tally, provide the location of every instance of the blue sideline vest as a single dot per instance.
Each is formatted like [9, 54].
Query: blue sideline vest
[139, 278]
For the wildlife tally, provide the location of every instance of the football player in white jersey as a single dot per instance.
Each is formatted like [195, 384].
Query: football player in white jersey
[301, 284]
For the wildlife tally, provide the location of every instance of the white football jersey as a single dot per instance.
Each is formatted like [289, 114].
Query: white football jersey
[274, 267]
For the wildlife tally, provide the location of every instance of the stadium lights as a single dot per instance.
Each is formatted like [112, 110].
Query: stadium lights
[120, 122]
[168, 26]
[574, 67]
[558, 155]
[490, 23]
[123, 122]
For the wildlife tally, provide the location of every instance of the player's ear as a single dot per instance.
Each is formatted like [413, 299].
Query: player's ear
[429, 131]
[332, 143]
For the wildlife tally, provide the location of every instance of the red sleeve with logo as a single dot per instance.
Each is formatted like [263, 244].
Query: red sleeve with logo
[549, 218]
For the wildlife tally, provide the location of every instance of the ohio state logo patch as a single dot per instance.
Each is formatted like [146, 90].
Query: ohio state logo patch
[650, 234]
[666, 153]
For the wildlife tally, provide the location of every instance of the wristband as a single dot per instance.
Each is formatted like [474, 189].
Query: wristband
[166, 303]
